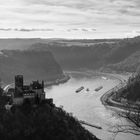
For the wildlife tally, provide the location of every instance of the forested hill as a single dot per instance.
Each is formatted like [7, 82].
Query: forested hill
[25, 43]
[125, 56]
[117, 55]
[105, 54]
[76, 57]
[39, 121]
[32, 64]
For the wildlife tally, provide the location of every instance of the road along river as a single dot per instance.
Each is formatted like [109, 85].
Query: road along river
[86, 105]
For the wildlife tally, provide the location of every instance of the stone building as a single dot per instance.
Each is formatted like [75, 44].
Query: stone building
[21, 91]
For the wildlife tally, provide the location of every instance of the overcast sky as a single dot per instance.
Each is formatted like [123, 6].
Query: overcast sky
[69, 18]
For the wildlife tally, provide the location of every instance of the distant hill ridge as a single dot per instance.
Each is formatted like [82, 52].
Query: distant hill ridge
[116, 56]
[104, 54]
[25, 43]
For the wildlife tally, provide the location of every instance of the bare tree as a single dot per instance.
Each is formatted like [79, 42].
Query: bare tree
[132, 115]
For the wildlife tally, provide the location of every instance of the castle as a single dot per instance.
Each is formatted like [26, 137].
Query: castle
[22, 92]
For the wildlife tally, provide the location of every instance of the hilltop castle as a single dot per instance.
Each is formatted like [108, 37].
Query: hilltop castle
[21, 91]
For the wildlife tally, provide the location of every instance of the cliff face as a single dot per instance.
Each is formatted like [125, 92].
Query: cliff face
[32, 64]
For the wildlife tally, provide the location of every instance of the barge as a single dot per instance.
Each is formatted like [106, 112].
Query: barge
[99, 88]
[79, 89]
[105, 78]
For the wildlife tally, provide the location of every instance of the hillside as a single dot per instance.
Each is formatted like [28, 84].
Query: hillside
[25, 43]
[32, 64]
[75, 54]
[116, 56]
[131, 63]
[76, 57]
[129, 93]
[125, 56]
[41, 121]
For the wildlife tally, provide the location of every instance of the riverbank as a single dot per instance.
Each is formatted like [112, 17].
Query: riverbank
[107, 99]
[58, 81]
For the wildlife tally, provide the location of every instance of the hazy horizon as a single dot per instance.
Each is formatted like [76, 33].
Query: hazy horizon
[11, 35]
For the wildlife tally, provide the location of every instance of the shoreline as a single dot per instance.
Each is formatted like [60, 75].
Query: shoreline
[106, 98]
[58, 81]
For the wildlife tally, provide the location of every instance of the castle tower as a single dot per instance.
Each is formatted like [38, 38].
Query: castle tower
[43, 86]
[18, 85]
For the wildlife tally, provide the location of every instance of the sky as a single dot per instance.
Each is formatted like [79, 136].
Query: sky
[69, 18]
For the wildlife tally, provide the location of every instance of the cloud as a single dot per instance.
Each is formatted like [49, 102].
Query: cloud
[88, 29]
[31, 30]
[2, 29]
[82, 29]
[71, 16]
[25, 29]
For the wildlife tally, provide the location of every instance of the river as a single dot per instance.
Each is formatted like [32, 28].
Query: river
[86, 105]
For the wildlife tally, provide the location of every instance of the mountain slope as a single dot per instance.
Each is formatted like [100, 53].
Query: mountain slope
[76, 57]
[84, 54]
[117, 55]
[123, 50]
[39, 121]
[129, 64]
[32, 64]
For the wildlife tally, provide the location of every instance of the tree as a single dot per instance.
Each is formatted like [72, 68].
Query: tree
[132, 115]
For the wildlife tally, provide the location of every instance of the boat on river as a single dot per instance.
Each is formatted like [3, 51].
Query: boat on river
[87, 89]
[99, 88]
[105, 78]
[79, 89]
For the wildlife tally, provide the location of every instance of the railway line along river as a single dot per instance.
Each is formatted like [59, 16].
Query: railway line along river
[86, 104]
